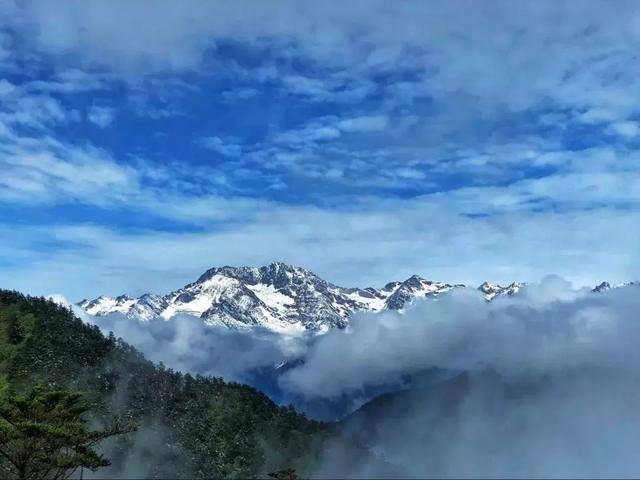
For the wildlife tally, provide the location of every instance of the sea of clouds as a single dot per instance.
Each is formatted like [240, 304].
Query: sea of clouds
[574, 352]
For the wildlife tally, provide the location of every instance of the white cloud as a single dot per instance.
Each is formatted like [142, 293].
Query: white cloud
[308, 86]
[466, 67]
[67, 81]
[226, 148]
[549, 385]
[548, 390]
[331, 87]
[187, 344]
[101, 116]
[44, 170]
[34, 111]
[627, 129]
[312, 132]
[6, 88]
[597, 115]
[365, 123]
[369, 244]
[484, 59]
[548, 328]
[329, 128]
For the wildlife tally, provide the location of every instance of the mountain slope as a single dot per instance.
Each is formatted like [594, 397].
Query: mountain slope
[193, 427]
[276, 296]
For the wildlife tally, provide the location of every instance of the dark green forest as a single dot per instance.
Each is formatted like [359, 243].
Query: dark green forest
[188, 426]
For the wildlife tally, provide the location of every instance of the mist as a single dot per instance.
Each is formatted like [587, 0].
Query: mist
[187, 344]
[544, 383]
[547, 328]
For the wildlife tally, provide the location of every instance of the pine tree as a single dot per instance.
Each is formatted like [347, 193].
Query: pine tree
[43, 435]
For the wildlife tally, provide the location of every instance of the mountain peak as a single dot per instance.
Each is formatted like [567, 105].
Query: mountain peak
[492, 290]
[277, 296]
[282, 266]
[602, 287]
[253, 273]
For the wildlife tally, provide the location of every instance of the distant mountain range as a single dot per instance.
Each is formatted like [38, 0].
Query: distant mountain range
[277, 296]
[281, 298]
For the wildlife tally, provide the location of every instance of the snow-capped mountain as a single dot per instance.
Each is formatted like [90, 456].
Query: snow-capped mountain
[491, 290]
[604, 286]
[277, 296]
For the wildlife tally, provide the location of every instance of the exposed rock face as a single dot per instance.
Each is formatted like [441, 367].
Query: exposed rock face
[491, 290]
[277, 296]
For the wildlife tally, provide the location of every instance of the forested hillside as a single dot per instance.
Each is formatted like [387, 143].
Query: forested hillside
[189, 426]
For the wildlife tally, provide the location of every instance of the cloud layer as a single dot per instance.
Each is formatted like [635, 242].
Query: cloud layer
[551, 392]
[366, 142]
[551, 388]
[548, 328]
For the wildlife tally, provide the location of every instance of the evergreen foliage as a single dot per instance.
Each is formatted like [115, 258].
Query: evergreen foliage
[190, 426]
[44, 435]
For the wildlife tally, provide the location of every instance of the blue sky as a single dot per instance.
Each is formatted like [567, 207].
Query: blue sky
[141, 143]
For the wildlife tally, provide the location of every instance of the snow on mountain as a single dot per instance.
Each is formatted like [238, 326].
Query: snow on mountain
[491, 290]
[402, 292]
[604, 286]
[276, 296]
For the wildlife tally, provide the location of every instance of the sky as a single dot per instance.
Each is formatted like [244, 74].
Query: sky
[144, 142]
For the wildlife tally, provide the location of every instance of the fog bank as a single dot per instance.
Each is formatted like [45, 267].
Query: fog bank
[544, 383]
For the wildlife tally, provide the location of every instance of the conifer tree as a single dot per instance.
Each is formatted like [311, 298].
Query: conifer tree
[43, 435]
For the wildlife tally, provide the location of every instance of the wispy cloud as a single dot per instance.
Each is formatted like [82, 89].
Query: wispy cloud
[448, 140]
[101, 116]
[226, 148]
